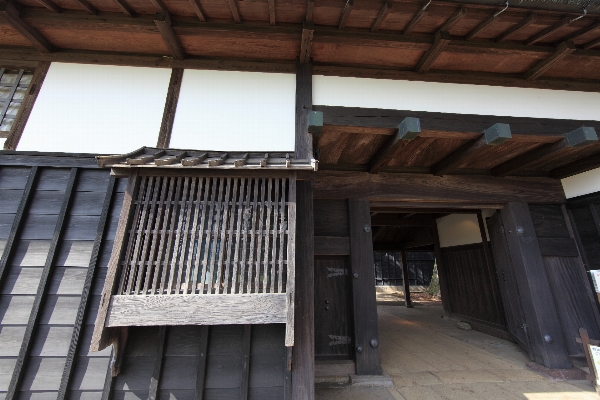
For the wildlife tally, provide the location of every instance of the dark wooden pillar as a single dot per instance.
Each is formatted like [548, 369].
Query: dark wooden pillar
[543, 324]
[304, 142]
[366, 332]
[303, 357]
[439, 261]
[406, 281]
[166, 126]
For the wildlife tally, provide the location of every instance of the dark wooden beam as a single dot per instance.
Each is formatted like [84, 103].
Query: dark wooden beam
[18, 126]
[158, 362]
[406, 281]
[303, 363]
[576, 167]
[415, 20]
[366, 334]
[415, 220]
[125, 8]
[479, 28]
[583, 31]
[50, 5]
[303, 143]
[163, 23]
[235, 12]
[87, 286]
[577, 138]
[408, 129]
[378, 232]
[591, 44]
[272, 18]
[439, 43]
[383, 13]
[495, 135]
[12, 16]
[548, 31]
[15, 382]
[198, 10]
[166, 126]
[202, 358]
[530, 19]
[345, 14]
[453, 20]
[245, 362]
[543, 325]
[308, 30]
[563, 50]
[18, 220]
[87, 6]
[309, 10]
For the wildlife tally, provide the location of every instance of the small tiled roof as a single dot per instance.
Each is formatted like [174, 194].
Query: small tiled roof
[149, 157]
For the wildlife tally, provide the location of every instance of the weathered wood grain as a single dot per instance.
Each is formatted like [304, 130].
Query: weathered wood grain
[331, 245]
[218, 309]
[303, 147]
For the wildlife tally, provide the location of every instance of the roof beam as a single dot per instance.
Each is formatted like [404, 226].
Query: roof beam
[495, 135]
[576, 167]
[308, 30]
[272, 19]
[198, 10]
[548, 31]
[408, 129]
[453, 20]
[563, 50]
[50, 5]
[87, 6]
[346, 14]
[12, 16]
[441, 40]
[475, 31]
[125, 8]
[577, 138]
[163, 23]
[591, 44]
[583, 31]
[418, 17]
[530, 19]
[235, 12]
[383, 13]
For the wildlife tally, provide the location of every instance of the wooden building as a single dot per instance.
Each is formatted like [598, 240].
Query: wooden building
[190, 274]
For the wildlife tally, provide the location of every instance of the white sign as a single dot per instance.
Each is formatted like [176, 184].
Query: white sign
[595, 354]
[596, 279]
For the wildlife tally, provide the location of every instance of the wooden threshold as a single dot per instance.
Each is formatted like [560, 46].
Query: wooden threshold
[181, 309]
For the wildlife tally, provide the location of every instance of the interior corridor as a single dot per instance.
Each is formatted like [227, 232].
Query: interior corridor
[428, 357]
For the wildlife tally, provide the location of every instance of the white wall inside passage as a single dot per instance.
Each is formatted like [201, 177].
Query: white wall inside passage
[237, 111]
[97, 109]
[455, 98]
[580, 184]
[461, 229]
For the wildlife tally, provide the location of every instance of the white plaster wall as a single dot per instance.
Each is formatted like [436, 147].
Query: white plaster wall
[580, 184]
[97, 109]
[237, 111]
[460, 229]
[455, 98]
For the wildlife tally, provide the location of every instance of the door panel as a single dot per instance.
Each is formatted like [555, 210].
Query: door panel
[509, 290]
[333, 333]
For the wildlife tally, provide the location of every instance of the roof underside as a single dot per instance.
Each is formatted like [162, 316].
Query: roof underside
[534, 43]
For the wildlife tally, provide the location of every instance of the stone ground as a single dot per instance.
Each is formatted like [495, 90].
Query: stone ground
[428, 357]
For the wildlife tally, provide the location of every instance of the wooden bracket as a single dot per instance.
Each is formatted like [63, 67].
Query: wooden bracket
[118, 337]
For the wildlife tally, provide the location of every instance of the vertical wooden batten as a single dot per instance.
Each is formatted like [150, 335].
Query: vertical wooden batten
[406, 281]
[303, 363]
[16, 131]
[304, 141]
[201, 371]
[541, 316]
[166, 126]
[26, 344]
[366, 332]
[245, 362]
[158, 362]
[89, 278]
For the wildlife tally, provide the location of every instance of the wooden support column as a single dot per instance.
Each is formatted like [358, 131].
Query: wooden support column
[16, 131]
[246, 362]
[303, 353]
[89, 278]
[406, 281]
[304, 141]
[563, 50]
[166, 126]
[366, 332]
[543, 325]
[439, 261]
[12, 16]
[308, 31]
[201, 370]
[32, 323]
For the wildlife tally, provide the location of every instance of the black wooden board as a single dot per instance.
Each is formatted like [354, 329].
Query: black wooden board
[331, 217]
[13, 177]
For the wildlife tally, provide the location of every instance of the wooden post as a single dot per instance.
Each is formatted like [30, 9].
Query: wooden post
[166, 126]
[158, 362]
[439, 260]
[406, 281]
[543, 325]
[303, 363]
[366, 332]
[304, 140]
[201, 370]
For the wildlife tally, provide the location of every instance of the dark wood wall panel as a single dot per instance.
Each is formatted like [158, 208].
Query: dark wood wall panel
[588, 234]
[471, 292]
[331, 217]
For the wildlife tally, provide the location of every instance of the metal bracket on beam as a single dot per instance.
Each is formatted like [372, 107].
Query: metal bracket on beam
[581, 136]
[409, 128]
[497, 134]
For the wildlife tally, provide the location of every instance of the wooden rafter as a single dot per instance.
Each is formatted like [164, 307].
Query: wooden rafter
[383, 13]
[530, 19]
[576, 167]
[418, 17]
[306, 43]
[160, 6]
[563, 50]
[309, 10]
[125, 8]
[166, 127]
[453, 20]
[11, 15]
[577, 138]
[198, 10]
[479, 28]
[235, 12]
[441, 40]
[408, 129]
[345, 14]
[163, 23]
[87, 6]
[50, 5]
[549, 31]
[272, 19]
[591, 44]
[583, 31]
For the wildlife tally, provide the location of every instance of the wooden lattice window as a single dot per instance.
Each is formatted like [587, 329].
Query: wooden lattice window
[207, 250]
[13, 86]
